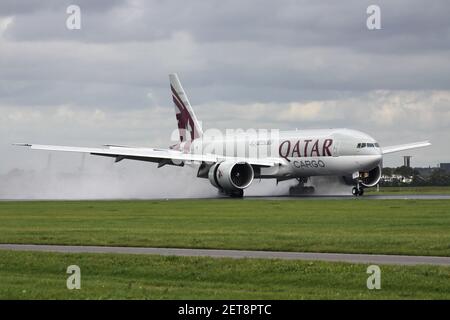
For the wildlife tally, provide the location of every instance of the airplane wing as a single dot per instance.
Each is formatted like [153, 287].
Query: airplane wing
[403, 147]
[161, 156]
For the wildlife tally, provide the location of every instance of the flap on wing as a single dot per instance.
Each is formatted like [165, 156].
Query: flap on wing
[403, 147]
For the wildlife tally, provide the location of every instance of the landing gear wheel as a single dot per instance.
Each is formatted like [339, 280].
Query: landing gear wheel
[294, 191]
[357, 191]
[237, 194]
[309, 190]
[300, 190]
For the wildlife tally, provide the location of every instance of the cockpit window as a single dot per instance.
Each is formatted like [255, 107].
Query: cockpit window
[377, 144]
[370, 145]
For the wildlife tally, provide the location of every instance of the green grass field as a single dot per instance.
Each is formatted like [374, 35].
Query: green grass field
[416, 227]
[25, 275]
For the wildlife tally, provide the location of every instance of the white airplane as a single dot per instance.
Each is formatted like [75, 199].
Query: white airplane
[351, 155]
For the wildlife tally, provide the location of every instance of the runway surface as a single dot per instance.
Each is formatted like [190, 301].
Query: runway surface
[365, 197]
[238, 254]
[268, 197]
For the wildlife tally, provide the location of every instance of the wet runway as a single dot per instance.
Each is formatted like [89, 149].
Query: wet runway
[239, 254]
[269, 197]
[365, 197]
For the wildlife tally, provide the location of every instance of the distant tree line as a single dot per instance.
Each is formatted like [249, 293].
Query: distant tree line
[437, 177]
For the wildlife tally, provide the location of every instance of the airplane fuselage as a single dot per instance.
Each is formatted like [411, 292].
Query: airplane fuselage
[304, 152]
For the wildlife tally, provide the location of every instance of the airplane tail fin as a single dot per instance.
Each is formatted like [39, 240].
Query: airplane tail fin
[188, 126]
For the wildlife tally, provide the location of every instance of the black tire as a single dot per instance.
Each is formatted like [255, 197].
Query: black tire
[361, 192]
[295, 191]
[237, 194]
[355, 191]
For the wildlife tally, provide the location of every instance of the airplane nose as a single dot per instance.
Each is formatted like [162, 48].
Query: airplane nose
[377, 160]
[369, 162]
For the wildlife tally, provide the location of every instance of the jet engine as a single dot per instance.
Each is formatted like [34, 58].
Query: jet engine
[367, 179]
[231, 177]
[371, 178]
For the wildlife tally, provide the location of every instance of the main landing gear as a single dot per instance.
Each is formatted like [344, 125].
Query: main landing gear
[237, 194]
[300, 188]
[233, 194]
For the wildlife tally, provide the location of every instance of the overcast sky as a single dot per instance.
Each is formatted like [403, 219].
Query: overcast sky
[244, 64]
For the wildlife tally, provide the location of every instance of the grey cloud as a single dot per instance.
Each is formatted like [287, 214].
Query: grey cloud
[241, 51]
[84, 73]
[231, 56]
[26, 7]
[407, 25]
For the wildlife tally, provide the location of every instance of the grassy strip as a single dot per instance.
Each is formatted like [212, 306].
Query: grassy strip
[417, 227]
[38, 275]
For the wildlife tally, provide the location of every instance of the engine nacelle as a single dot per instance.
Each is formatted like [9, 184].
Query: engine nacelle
[231, 176]
[367, 179]
[371, 178]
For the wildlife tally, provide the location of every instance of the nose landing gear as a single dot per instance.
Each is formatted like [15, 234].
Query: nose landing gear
[358, 190]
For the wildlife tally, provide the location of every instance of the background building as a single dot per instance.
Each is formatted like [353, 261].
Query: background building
[445, 166]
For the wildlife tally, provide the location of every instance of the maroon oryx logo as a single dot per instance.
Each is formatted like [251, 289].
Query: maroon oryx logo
[184, 118]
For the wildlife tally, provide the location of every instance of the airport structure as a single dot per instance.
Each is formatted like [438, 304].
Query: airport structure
[445, 166]
[407, 161]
